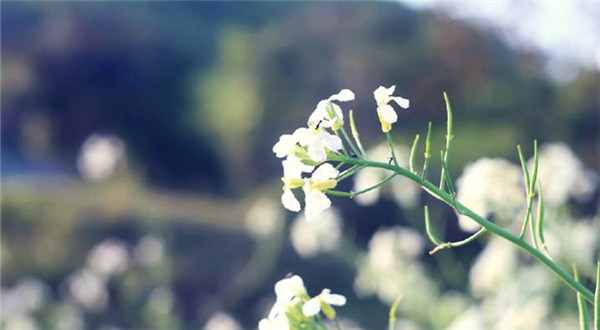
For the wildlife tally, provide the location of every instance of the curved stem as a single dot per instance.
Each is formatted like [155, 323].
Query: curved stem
[488, 225]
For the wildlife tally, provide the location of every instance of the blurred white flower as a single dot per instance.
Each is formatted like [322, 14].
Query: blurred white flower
[160, 300]
[19, 322]
[469, 319]
[149, 251]
[27, 296]
[313, 306]
[405, 192]
[99, 156]
[108, 258]
[308, 239]
[221, 321]
[67, 316]
[494, 268]
[562, 175]
[263, 218]
[385, 112]
[573, 240]
[490, 186]
[390, 269]
[88, 289]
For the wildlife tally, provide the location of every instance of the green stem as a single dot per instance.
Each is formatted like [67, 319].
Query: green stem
[350, 143]
[354, 194]
[411, 160]
[581, 305]
[488, 225]
[355, 134]
[344, 151]
[349, 172]
[449, 137]
[465, 241]
[391, 145]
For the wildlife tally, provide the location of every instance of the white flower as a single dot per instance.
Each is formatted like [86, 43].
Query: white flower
[293, 168]
[322, 116]
[313, 306]
[292, 178]
[289, 201]
[100, 155]
[562, 174]
[490, 186]
[263, 218]
[317, 141]
[287, 142]
[108, 258]
[316, 201]
[308, 239]
[289, 288]
[387, 115]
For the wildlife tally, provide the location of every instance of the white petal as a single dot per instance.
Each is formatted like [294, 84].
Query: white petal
[316, 152]
[264, 324]
[287, 289]
[302, 135]
[293, 168]
[334, 299]
[402, 102]
[312, 307]
[388, 114]
[332, 142]
[316, 203]
[324, 172]
[343, 96]
[338, 112]
[289, 201]
[319, 113]
[382, 94]
[284, 145]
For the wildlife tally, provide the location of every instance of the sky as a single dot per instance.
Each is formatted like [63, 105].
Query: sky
[567, 32]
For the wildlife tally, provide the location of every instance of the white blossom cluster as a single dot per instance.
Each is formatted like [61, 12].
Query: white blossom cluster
[562, 175]
[491, 186]
[294, 308]
[306, 149]
[390, 268]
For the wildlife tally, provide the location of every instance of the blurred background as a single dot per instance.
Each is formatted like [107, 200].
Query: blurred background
[139, 189]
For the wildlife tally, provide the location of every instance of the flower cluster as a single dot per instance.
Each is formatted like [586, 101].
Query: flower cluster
[307, 148]
[295, 309]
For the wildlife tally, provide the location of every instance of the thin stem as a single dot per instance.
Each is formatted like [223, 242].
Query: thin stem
[337, 324]
[540, 221]
[597, 299]
[581, 305]
[344, 151]
[465, 241]
[350, 143]
[349, 172]
[432, 236]
[427, 153]
[355, 134]
[393, 312]
[411, 159]
[354, 194]
[488, 225]
[391, 145]
[449, 137]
